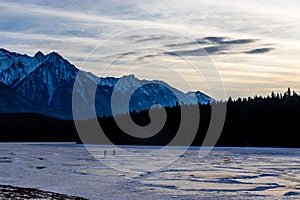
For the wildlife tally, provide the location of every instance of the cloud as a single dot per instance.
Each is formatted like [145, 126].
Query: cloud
[154, 37]
[213, 45]
[121, 55]
[215, 39]
[146, 56]
[199, 51]
[259, 51]
[196, 42]
[238, 41]
[228, 40]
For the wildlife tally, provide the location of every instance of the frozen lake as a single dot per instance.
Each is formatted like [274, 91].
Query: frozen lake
[235, 173]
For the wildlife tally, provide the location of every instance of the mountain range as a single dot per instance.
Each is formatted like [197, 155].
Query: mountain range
[51, 85]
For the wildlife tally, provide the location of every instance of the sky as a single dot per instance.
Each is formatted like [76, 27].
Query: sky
[223, 48]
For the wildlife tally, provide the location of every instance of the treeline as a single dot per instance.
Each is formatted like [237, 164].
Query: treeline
[32, 127]
[270, 121]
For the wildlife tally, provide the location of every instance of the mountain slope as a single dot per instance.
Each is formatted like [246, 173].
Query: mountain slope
[50, 83]
[13, 102]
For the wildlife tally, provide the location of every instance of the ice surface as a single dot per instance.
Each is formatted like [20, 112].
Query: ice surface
[235, 173]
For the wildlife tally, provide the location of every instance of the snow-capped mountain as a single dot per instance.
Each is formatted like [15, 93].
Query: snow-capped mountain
[15, 67]
[48, 81]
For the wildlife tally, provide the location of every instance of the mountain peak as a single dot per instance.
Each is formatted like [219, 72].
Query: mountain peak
[130, 76]
[203, 98]
[130, 80]
[3, 50]
[39, 55]
[54, 55]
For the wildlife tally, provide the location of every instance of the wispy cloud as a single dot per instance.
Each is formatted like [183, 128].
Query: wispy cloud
[259, 51]
[155, 38]
[198, 52]
[213, 40]
[184, 44]
[213, 45]
[238, 41]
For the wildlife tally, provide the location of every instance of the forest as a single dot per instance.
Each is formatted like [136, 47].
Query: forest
[271, 121]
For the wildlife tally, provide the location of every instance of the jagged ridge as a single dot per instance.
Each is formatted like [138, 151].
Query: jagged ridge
[48, 81]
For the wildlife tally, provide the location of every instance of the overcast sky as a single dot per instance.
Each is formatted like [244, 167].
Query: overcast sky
[251, 46]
